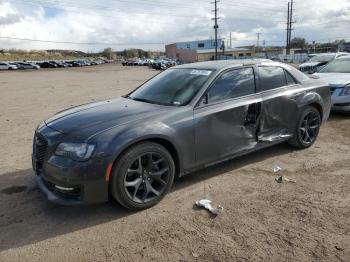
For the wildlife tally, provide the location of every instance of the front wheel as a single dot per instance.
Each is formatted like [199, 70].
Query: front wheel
[142, 176]
[307, 128]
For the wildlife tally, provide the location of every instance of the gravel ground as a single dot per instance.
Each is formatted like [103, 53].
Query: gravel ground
[262, 220]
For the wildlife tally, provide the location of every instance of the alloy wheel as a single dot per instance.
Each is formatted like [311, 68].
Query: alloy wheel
[146, 178]
[309, 128]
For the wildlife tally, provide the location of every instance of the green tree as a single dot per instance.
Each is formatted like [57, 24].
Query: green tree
[298, 42]
[108, 53]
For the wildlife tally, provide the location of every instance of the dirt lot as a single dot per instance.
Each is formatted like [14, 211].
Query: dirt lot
[262, 220]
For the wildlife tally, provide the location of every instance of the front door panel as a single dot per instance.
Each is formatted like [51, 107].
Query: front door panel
[226, 128]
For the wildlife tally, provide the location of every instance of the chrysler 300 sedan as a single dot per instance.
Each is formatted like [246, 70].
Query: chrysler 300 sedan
[188, 117]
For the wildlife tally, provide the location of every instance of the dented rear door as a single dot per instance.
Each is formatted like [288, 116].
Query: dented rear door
[279, 104]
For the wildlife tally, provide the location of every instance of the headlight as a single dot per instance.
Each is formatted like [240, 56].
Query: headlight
[78, 152]
[345, 91]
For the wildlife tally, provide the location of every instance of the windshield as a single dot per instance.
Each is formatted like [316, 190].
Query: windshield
[173, 87]
[322, 58]
[337, 66]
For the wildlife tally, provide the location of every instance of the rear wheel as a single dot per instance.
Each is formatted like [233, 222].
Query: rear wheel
[307, 128]
[142, 176]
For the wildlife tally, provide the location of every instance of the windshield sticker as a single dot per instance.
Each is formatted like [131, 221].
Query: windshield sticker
[201, 72]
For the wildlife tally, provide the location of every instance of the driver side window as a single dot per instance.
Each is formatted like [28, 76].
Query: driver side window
[232, 84]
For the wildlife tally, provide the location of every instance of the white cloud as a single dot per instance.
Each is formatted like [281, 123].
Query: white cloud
[137, 22]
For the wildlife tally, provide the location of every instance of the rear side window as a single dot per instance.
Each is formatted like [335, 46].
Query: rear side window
[232, 84]
[290, 79]
[271, 77]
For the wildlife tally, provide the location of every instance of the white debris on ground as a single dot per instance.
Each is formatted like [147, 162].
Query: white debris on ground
[207, 205]
[281, 179]
[277, 169]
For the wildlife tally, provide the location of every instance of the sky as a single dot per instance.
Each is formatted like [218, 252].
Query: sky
[91, 25]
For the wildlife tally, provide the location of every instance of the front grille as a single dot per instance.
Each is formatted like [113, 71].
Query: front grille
[39, 149]
[307, 69]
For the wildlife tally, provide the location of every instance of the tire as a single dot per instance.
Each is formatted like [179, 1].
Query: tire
[306, 135]
[134, 168]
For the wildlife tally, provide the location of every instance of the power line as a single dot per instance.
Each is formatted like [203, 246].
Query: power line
[63, 8]
[79, 43]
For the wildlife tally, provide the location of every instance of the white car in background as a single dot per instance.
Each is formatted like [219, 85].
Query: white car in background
[318, 61]
[7, 66]
[337, 75]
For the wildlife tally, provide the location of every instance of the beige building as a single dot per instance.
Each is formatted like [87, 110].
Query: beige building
[231, 53]
[190, 55]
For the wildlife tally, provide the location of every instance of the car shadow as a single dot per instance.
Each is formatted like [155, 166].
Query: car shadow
[26, 217]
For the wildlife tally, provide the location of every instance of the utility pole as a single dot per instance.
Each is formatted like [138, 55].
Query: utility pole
[223, 47]
[291, 22]
[287, 42]
[258, 40]
[216, 26]
[230, 39]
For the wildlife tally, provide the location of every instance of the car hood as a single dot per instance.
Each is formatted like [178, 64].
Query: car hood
[87, 120]
[311, 64]
[335, 79]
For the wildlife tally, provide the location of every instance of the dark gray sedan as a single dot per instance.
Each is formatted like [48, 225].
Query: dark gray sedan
[184, 119]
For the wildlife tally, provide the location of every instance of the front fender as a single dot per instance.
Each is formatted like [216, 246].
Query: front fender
[115, 141]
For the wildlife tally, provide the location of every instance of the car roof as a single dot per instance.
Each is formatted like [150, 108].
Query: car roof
[223, 64]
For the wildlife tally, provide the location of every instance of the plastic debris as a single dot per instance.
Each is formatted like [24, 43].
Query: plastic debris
[207, 205]
[281, 179]
[195, 255]
[277, 169]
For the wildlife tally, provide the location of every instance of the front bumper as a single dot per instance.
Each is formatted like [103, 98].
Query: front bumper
[340, 103]
[63, 180]
[344, 107]
[72, 184]
[55, 198]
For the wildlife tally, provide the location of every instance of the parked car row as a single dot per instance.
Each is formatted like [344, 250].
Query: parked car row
[157, 64]
[137, 62]
[17, 65]
[48, 64]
